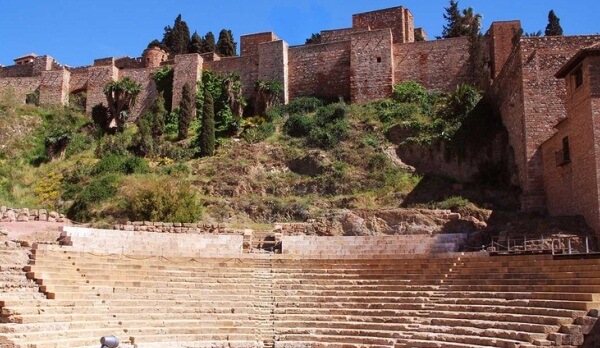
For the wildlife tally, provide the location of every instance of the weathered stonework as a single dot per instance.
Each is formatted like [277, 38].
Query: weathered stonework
[572, 182]
[360, 64]
[371, 62]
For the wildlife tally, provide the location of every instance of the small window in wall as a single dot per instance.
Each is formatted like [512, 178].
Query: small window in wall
[563, 157]
[378, 59]
[578, 77]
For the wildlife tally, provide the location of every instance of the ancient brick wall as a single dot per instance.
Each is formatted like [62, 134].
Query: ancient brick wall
[506, 94]
[501, 35]
[329, 36]
[371, 62]
[246, 66]
[23, 70]
[573, 188]
[19, 87]
[249, 44]
[148, 93]
[79, 78]
[273, 65]
[54, 87]
[398, 19]
[99, 76]
[438, 65]
[544, 103]
[320, 70]
[188, 68]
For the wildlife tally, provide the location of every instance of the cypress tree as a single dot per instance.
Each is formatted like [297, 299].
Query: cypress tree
[177, 39]
[553, 28]
[157, 114]
[195, 44]
[207, 134]
[208, 44]
[225, 46]
[454, 21]
[186, 110]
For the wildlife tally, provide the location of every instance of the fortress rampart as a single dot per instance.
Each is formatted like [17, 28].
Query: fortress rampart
[359, 64]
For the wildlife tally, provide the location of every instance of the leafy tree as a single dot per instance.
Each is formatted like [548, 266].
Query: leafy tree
[465, 23]
[226, 46]
[186, 110]
[314, 39]
[454, 21]
[195, 44]
[208, 44]
[207, 134]
[267, 94]
[164, 84]
[177, 38]
[553, 28]
[155, 43]
[157, 115]
[121, 96]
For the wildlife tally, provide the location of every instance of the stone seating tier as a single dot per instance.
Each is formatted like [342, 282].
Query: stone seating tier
[289, 302]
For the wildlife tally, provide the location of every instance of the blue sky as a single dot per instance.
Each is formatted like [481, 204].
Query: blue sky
[77, 32]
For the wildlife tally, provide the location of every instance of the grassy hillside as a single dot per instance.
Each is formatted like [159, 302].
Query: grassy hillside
[292, 164]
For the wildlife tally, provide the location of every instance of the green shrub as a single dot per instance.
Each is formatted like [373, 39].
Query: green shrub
[410, 92]
[397, 112]
[453, 203]
[96, 192]
[330, 114]
[160, 200]
[120, 164]
[298, 125]
[117, 144]
[259, 133]
[327, 136]
[303, 105]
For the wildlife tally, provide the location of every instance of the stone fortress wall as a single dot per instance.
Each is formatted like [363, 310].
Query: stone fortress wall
[359, 64]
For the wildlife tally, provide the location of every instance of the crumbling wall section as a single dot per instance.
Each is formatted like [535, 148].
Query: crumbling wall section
[372, 66]
[438, 65]
[320, 70]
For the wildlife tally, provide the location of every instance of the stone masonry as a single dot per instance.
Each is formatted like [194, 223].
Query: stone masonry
[359, 64]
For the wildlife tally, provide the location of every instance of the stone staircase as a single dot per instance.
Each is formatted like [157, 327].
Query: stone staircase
[265, 301]
[74, 297]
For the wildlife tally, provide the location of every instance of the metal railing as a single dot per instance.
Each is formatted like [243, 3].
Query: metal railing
[567, 245]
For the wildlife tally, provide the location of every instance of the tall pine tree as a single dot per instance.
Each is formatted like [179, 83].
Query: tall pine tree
[553, 28]
[177, 38]
[186, 111]
[208, 44]
[207, 134]
[195, 44]
[226, 46]
[454, 21]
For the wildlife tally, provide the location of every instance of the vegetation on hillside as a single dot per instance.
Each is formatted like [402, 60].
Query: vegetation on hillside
[287, 163]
